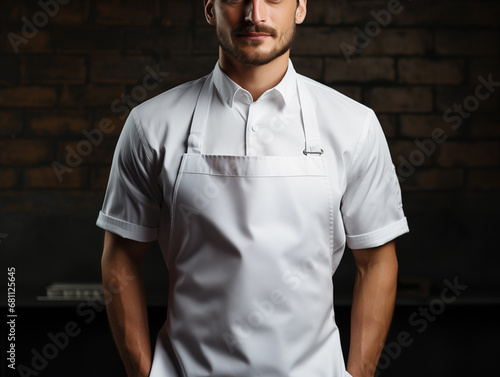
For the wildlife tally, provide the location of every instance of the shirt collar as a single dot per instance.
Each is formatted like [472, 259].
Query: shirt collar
[227, 88]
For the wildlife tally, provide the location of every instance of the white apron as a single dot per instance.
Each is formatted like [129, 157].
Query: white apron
[250, 263]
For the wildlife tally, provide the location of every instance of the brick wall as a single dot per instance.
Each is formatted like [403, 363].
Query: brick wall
[71, 70]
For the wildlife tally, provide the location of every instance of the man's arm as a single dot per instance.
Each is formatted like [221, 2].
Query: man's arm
[372, 308]
[122, 277]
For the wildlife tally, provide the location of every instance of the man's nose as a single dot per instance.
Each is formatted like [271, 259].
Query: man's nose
[256, 12]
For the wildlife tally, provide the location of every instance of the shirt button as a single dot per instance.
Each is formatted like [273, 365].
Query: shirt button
[255, 128]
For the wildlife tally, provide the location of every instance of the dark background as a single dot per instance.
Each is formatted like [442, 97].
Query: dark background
[65, 77]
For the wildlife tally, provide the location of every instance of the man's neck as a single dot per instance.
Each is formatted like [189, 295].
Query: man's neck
[255, 79]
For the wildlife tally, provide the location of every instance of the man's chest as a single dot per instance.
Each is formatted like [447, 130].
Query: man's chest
[261, 128]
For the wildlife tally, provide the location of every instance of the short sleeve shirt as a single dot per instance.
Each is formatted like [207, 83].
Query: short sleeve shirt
[364, 186]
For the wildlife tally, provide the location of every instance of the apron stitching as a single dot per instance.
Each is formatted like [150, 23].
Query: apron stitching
[258, 176]
[173, 217]
[330, 207]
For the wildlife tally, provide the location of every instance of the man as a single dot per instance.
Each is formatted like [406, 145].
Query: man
[252, 179]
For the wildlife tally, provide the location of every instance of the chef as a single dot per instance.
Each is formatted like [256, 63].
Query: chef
[252, 179]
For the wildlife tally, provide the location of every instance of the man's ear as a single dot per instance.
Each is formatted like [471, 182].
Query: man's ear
[300, 13]
[209, 11]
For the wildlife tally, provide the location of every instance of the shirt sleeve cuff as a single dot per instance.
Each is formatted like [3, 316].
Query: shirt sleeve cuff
[378, 237]
[126, 230]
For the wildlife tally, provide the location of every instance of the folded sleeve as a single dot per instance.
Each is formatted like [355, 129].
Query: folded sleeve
[372, 208]
[133, 197]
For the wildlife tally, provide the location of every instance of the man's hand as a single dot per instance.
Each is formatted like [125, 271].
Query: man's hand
[122, 277]
[372, 308]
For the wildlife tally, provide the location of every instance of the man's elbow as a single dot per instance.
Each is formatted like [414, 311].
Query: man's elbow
[381, 257]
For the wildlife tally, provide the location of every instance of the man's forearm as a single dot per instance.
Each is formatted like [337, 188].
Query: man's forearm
[126, 306]
[372, 309]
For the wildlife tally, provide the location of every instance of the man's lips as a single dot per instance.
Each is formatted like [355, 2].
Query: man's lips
[255, 36]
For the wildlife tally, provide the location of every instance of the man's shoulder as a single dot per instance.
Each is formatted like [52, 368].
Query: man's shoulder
[341, 116]
[324, 95]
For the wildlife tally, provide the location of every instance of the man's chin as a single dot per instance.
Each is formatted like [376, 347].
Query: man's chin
[252, 53]
[255, 59]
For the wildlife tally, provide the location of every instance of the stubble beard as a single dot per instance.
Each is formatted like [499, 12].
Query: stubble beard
[284, 44]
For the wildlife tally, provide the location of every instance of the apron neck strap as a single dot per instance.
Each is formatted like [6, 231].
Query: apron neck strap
[199, 122]
[309, 120]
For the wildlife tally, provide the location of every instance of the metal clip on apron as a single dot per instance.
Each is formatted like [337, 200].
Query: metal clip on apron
[251, 289]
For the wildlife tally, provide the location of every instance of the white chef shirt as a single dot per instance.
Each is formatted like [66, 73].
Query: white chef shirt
[365, 190]
[257, 126]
